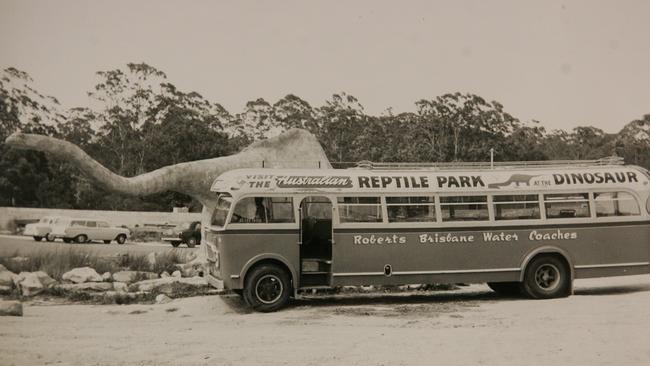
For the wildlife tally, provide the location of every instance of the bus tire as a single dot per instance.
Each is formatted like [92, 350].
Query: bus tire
[506, 288]
[267, 288]
[191, 242]
[547, 277]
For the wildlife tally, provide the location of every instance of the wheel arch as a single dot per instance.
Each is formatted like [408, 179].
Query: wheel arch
[547, 250]
[268, 259]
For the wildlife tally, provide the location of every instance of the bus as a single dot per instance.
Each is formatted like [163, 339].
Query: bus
[529, 228]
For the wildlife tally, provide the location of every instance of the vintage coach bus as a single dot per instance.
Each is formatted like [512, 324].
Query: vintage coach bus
[518, 227]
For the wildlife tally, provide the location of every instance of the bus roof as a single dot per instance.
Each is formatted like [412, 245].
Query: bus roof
[358, 181]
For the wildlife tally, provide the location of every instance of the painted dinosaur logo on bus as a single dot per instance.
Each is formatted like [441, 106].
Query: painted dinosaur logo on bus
[293, 181]
[517, 179]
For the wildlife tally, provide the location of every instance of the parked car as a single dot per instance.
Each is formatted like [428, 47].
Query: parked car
[188, 233]
[41, 230]
[84, 231]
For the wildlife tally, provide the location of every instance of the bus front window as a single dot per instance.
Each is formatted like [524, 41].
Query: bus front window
[221, 211]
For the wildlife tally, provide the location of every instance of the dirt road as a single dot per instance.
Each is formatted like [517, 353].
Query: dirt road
[607, 322]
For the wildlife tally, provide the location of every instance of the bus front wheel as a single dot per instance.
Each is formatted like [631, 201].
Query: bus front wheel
[267, 288]
[547, 277]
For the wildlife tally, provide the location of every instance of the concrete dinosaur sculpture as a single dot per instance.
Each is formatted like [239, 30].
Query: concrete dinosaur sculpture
[295, 148]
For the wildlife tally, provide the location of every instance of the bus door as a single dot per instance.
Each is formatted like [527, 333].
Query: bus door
[315, 241]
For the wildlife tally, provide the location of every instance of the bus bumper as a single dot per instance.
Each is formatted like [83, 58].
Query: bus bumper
[214, 282]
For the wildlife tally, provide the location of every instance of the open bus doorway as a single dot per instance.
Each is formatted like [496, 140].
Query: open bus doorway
[316, 241]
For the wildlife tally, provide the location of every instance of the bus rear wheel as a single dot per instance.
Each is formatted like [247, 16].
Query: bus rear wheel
[506, 288]
[547, 277]
[267, 288]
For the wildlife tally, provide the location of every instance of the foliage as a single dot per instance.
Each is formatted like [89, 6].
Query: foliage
[139, 121]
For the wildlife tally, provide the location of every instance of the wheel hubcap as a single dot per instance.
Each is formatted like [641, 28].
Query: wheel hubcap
[547, 277]
[268, 289]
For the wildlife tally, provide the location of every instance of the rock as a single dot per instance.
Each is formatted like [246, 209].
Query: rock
[81, 275]
[45, 279]
[6, 290]
[165, 275]
[29, 283]
[19, 260]
[151, 259]
[163, 299]
[133, 276]
[120, 287]
[191, 269]
[7, 278]
[164, 285]
[176, 274]
[86, 286]
[106, 276]
[11, 308]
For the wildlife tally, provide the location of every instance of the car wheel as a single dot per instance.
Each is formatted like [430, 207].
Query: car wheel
[506, 288]
[49, 237]
[267, 288]
[81, 239]
[107, 241]
[121, 239]
[38, 238]
[191, 242]
[175, 244]
[547, 277]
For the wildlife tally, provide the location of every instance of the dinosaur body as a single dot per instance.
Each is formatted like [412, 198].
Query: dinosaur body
[517, 179]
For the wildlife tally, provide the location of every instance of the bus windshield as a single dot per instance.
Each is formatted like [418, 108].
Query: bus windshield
[221, 211]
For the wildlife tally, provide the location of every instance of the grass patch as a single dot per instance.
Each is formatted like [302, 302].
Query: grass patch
[59, 261]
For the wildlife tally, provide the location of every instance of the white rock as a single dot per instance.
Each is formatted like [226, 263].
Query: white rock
[120, 287]
[176, 274]
[106, 276]
[5, 290]
[6, 277]
[163, 299]
[29, 283]
[86, 286]
[45, 279]
[165, 274]
[11, 308]
[81, 275]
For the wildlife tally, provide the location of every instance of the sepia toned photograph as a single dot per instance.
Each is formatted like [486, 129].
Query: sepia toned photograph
[324, 182]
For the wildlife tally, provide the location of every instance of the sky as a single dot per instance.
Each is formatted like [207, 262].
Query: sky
[563, 63]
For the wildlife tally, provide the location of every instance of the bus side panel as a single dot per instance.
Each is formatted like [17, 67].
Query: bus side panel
[360, 255]
[240, 247]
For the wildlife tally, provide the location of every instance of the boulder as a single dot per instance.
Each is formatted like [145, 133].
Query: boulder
[81, 275]
[165, 275]
[5, 290]
[163, 299]
[11, 308]
[191, 269]
[86, 286]
[176, 274]
[29, 283]
[132, 276]
[120, 287]
[7, 278]
[45, 279]
[106, 276]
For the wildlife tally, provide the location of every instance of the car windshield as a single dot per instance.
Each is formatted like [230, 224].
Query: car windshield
[221, 211]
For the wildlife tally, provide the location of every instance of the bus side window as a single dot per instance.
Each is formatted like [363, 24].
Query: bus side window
[616, 204]
[516, 207]
[360, 209]
[464, 208]
[411, 209]
[566, 205]
[263, 210]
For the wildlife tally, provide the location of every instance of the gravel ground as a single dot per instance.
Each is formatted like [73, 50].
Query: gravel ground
[606, 322]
